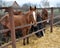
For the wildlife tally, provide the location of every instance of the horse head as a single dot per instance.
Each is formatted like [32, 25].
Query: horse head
[33, 14]
[45, 14]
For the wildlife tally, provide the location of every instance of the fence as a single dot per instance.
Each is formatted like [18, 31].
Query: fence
[12, 27]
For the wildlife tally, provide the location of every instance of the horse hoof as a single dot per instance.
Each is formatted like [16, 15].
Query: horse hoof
[27, 42]
[0, 44]
[23, 44]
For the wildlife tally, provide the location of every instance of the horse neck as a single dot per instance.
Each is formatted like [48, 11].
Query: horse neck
[28, 17]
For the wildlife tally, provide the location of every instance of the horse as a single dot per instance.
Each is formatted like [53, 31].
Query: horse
[40, 17]
[38, 27]
[19, 20]
[44, 16]
[1, 35]
[17, 13]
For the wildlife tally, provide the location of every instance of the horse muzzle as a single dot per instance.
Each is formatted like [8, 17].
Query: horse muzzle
[47, 21]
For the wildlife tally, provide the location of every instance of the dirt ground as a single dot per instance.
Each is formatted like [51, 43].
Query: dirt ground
[50, 40]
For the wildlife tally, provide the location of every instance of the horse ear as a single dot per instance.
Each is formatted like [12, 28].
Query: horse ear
[30, 8]
[35, 7]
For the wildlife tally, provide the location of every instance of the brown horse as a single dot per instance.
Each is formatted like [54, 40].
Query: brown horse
[15, 12]
[18, 13]
[21, 20]
[44, 15]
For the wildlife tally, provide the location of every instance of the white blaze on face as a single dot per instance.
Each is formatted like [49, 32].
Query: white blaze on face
[34, 15]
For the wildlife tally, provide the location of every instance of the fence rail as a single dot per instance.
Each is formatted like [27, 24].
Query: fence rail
[13, 42]
[56, 17]
[21, 38]
[56, 23]
[37, 8]
[5, 30]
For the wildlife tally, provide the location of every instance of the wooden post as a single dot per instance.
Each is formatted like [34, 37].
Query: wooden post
[12, 27]
[6, 47]
[51, 20]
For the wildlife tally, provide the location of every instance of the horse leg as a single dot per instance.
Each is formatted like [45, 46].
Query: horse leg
[27, 40]
[24, 33]
[1, 36]
[27, 37]
[24, 41]
[44, 25]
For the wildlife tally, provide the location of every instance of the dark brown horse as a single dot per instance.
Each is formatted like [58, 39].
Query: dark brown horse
[21, 20]
[18, 13]
[44, 15]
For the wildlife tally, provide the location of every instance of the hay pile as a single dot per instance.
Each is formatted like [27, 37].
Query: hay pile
[50, 40]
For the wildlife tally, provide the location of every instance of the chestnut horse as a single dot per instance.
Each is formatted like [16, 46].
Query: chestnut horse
[21, 20]
[18, 13]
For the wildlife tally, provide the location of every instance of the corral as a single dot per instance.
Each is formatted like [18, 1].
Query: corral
[36, 42]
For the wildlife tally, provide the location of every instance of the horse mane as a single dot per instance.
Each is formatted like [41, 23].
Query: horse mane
[18, 13]
[27, 13]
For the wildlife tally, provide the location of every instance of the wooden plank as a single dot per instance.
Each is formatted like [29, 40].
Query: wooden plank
[12, 27]
[37, 8]
[50, 8]
[4, 7]
[56, 23]
[9, 43]
[6, 30]
[51, 20]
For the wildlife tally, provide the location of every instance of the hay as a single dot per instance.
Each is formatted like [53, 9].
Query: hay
[50, 40]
